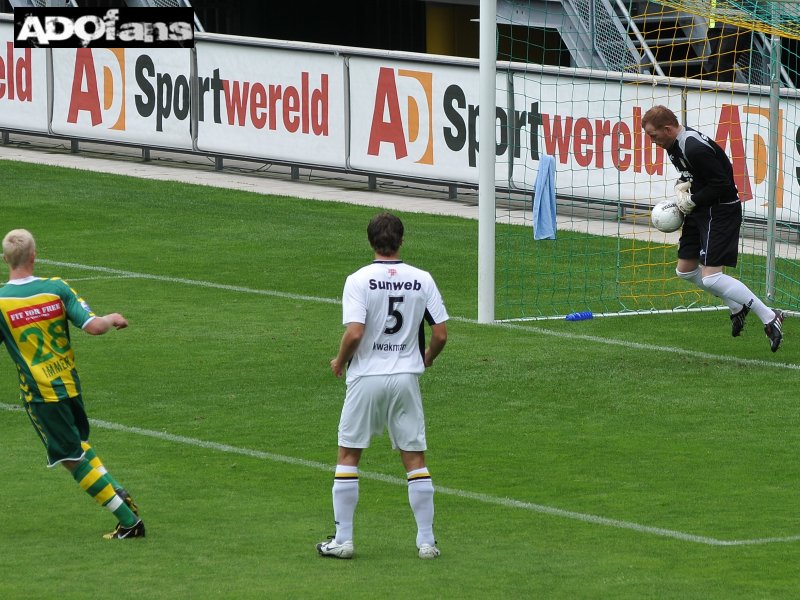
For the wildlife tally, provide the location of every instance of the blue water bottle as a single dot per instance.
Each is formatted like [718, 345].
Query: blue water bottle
[579, 316]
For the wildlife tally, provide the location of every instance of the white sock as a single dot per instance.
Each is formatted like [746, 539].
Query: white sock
[345, 498]
[696, 277]
[733, 290]
[420, 497]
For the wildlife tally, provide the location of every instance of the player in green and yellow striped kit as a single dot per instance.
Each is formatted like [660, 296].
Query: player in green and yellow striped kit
[34, 325]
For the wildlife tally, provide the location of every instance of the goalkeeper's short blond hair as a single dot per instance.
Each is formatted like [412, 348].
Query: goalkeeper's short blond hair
[18, 247]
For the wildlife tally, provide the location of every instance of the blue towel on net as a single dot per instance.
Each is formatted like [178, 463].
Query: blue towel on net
[544, 200]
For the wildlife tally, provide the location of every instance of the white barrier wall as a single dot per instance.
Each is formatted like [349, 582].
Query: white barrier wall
[23, 84]
[393, 114]
[419, 120]
[123, 95]
[271, 103]
[593, 130]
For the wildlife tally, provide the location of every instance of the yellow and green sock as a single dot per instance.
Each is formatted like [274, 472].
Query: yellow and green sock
[94, 460]
[100, 487]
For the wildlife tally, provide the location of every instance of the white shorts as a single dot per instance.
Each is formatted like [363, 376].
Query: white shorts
[377, 402]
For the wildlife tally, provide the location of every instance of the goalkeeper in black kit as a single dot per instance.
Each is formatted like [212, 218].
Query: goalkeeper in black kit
[709, 241]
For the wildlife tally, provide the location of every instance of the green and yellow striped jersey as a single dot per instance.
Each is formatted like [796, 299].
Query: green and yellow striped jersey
[34, 328]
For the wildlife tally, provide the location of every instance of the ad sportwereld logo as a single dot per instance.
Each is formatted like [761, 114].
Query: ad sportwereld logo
[171, 27]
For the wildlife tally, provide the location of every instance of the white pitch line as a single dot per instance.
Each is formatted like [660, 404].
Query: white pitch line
[101, 278]
[483, 498]
[196, 282]
[751, 362]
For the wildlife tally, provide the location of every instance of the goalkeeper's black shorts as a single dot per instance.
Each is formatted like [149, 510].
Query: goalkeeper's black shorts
[711, 235]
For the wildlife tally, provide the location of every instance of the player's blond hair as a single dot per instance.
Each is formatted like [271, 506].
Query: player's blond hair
[18, 247]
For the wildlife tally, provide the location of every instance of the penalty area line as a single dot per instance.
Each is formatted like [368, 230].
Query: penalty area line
[196, 282]
[502, 324]
[467, 495]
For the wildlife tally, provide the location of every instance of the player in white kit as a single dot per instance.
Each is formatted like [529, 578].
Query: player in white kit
[384, 306]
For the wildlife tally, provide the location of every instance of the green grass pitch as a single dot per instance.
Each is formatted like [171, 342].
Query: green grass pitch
[638, 457]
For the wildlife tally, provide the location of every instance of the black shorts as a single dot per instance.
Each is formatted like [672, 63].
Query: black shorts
[711, 235]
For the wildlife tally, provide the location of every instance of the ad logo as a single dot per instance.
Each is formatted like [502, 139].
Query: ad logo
[98, 28]
[410, 131]
[99, 90]
[98, 87]
[730, 132]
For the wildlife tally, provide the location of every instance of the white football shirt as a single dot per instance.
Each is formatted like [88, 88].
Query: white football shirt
[391, 299]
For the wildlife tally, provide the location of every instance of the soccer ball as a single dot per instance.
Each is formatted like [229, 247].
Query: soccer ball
[666, 216]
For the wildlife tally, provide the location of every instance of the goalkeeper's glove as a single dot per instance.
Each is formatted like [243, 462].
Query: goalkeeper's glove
[684, 198]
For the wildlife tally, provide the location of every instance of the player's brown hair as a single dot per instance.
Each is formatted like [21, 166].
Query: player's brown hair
[385, 234]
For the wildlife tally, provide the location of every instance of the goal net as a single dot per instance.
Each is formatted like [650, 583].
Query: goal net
[573, 228]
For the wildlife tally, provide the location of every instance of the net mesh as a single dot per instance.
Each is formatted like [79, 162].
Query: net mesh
[579, 75]
[779, 17]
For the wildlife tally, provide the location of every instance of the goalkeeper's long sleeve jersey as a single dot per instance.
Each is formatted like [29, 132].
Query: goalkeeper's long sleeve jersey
[700, 160]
